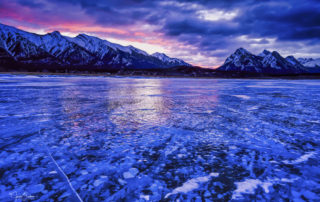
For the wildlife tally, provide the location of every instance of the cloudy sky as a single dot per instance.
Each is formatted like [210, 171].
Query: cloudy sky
[202, 32]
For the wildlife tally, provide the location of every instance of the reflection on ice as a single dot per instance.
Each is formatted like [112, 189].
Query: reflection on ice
[159, 139]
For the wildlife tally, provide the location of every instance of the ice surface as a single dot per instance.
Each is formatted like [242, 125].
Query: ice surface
[117, 138]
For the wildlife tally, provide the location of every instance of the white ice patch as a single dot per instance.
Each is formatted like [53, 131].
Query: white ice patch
[192, 184]
[301, 159]
[253, 108]
[170, 150]
[288, 180]
[245, 97]
[84, 172]
[97, 182]
[131, 173]
[145, 197]
[313, 121]
[248, 187]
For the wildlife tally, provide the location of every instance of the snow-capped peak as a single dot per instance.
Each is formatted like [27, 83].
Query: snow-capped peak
[95, 43]
[239, 60]
[138, 50]
[293, 60]
[163, 57]
[264, 53]
[160, 56]
[55, 33]
[241, 51]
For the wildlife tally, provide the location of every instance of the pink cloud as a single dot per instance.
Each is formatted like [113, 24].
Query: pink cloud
[48, 20]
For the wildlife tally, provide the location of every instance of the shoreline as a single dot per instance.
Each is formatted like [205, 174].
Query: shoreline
[290, 77]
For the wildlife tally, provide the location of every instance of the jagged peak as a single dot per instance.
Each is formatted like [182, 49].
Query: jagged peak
[308, 59]
[55, 33]
[264, 53]
[162, 56]
[242, 51]
[276, 54]
[292, 60]
[290, 57]
[157, 54]
[137, 50]
[83, 35]
[87, 37]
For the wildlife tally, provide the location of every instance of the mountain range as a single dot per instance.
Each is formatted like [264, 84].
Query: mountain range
[25, 51]
[267, 63]
[83, 51]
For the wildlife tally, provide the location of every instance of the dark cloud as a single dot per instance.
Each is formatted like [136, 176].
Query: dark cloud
[295, 21]
[283, 20]
[31, 3]
[256, 21]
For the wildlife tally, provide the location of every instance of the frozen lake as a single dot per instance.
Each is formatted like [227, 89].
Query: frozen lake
[136, 139]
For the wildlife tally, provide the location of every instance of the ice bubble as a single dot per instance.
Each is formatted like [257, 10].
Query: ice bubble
[36, 188]
[180, 155]
[131, 173]
[121, 181]
[84, 172]
[97, 182]
[207, 194]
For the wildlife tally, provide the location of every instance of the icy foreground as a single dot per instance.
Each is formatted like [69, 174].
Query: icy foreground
[140, 139]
